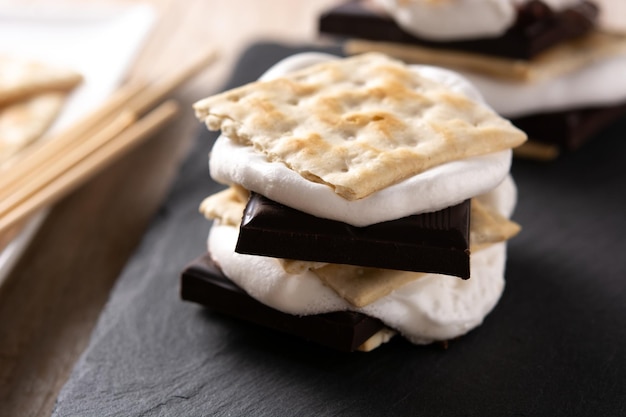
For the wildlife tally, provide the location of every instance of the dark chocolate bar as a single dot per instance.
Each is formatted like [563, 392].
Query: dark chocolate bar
[203, 282]
[571, 128]
[536, 29]
[430, 242]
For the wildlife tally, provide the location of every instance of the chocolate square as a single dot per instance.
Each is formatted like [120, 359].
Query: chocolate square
[203, 282]
[569, 129]
[536, 29]
[431, 242]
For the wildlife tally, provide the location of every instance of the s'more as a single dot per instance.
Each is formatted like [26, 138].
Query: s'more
[546, 65]
[366, 198]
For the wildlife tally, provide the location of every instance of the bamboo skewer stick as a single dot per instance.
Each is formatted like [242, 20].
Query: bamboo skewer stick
[137, 97]
[89, 166]
[67, 138]
[35, 179]
[65, 160]
[166, 85]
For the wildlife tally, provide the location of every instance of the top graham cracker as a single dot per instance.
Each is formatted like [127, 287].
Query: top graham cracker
[357, 124]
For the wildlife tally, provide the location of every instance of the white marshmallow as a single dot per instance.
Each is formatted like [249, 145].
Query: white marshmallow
[601, 83]
[434, 307]
[435, 189]
[458, 19]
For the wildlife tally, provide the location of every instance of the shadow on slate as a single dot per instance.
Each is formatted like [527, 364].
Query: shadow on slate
[553, 346]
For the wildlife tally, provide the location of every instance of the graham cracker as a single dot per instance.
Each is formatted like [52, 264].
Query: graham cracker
[358, 124]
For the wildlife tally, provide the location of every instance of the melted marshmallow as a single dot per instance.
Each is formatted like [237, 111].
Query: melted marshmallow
[458, 19]
[602, 83]
[432, 190]
[433, 307]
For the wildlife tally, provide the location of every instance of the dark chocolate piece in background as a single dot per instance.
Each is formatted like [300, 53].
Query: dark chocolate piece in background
[203, 282]
[569, 129]
[430, 242]
[536, 30]
[553, 346]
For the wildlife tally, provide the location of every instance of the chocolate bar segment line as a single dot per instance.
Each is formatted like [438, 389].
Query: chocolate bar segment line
[204, 283]
[436, 242]
[534, 32]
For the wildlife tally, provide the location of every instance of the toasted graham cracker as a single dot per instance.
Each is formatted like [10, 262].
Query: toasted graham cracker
[24, 122]
[559, 60]
[21, 78]
[488, 227]
[361, 286]
[358, 124]
[227, 206]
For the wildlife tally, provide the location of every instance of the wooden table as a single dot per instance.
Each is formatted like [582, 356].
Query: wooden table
[52, 299]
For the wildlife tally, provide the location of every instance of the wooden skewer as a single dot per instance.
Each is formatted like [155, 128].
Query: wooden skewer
[54, 147]
[11, 233]
[89, 166]
[73, 155]
[35, 179]
[166, 85]
[137, 97]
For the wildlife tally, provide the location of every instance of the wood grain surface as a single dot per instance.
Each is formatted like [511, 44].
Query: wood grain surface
[52, 299]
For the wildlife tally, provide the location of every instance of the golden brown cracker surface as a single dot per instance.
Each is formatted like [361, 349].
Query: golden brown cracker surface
[358, 124]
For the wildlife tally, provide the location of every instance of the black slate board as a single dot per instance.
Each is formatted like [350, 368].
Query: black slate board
[555, 345]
